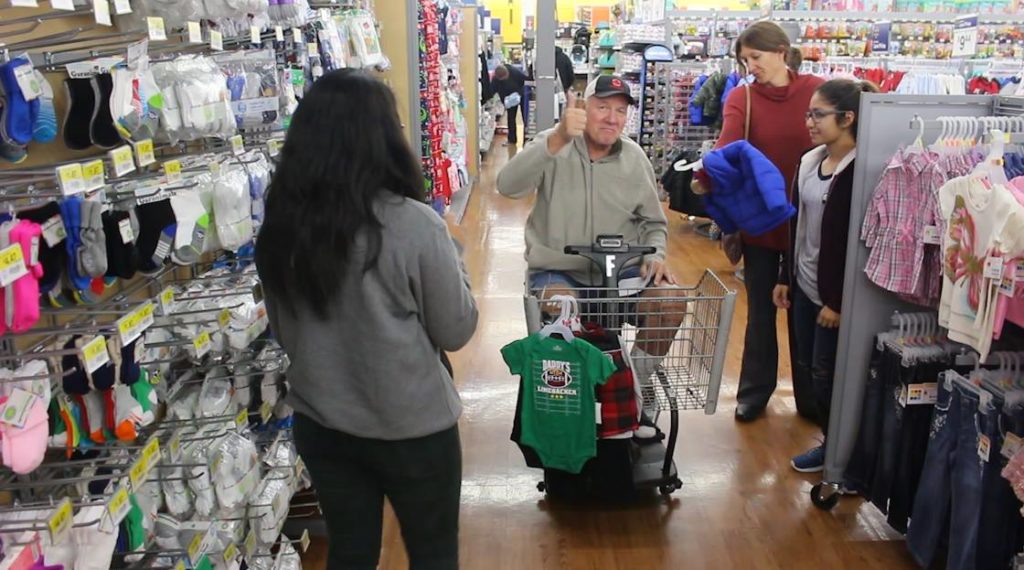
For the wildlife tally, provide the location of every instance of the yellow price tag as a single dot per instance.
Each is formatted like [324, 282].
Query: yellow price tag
[95, 354]
[266, 411]
[195, 33]
[279, 33]
[181, 565]
[151, 453]
[174, 446]
[12, 264]
[237, 145]
[202, 344]
[157, 31]
[94, 175]
[172, 171]
[230, 553]
[59, 523]
[144, 152]
[254, 35]
[123, 160]
[216, 40]
[119, 505]
[132, 325]
[70, 179]
[312, 48]
[224, 318]
[195, 548]
[250, 543]
[137, 474]
[242, 419]
[274, 147]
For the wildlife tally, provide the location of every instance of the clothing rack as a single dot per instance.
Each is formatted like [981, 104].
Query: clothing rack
[883, 130]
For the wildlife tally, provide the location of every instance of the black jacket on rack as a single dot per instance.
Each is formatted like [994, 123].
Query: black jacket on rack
[485, 80]
[680, 197]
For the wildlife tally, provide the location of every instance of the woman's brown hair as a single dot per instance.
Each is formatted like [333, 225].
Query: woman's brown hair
[763, 36]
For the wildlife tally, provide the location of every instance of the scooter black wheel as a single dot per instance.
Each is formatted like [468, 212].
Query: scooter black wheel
[824, 503]
[542, 487]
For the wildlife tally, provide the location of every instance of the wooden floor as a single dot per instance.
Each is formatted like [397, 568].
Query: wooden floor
[741, 505]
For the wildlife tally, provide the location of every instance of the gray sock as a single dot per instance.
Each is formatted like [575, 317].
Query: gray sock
[92, 253]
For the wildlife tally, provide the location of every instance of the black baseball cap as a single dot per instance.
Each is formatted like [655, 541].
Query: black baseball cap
[609, 86]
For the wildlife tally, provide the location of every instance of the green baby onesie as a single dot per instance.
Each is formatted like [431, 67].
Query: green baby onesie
[558, 413]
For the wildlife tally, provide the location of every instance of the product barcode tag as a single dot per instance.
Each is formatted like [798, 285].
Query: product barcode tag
[101, 10]
[125, 227]
[70, 179]
[157, 31]
[119, 505]
[12, 264]
[931, 235]
[921, 394]
[279, 33]
[1007, 287]
[1011, 445]
[28, 82]
[53, 231]
[216, 40]
[124, 162]
[144, 152]
[993, 268]
[94, 175]
[254, 35]
[16, 409]
[984, 447]
[60, 522]
[122, 7]
[67, 5]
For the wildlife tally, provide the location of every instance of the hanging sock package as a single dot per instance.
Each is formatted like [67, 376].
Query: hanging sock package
[363, 34]
[252, 81]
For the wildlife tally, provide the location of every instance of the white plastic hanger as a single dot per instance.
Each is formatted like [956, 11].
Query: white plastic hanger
[569, 312]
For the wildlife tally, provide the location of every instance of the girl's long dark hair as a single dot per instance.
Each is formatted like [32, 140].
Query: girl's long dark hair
[344, 149]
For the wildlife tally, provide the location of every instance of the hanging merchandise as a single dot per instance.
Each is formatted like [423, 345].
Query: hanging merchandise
[252, 79]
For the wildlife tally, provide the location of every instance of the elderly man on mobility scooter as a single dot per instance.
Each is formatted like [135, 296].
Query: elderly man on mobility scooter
[591, 181]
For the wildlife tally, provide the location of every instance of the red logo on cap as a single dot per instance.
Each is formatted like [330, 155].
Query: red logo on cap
[616, 83]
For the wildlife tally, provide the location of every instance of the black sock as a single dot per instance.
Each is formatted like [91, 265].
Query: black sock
[122, 258]
[81, 108]
[153, 218]
[102, 130]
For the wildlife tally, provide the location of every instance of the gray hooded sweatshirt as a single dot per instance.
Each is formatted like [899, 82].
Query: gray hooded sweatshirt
[579, 199]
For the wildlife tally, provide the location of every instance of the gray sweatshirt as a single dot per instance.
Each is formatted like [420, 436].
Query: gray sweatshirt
[579, 199]
[373, 368]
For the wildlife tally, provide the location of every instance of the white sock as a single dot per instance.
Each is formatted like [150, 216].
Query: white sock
[644, 366]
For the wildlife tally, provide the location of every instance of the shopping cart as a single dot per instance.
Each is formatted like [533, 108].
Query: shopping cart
[688, 376]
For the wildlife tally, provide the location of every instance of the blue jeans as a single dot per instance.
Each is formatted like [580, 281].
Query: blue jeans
[560, 279]
[968, 474]
[930, 521]
[815, 351]
[1001, 526]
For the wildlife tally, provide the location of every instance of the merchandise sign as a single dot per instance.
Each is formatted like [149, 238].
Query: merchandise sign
[965, 36]
[880, 37]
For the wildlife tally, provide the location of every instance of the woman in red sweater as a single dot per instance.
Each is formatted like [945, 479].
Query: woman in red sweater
[779, 97]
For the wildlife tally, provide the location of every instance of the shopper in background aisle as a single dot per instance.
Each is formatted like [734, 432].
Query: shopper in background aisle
[364, 288]
[510, 85]
[778, 100]
[816, 260]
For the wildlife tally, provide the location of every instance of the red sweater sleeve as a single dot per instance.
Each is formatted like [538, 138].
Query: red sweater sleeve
[733, 117]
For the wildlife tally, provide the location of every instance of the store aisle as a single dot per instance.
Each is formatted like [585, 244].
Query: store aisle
[741, 506]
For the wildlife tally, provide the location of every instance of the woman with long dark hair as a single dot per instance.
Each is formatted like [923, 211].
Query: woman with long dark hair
[365, 289]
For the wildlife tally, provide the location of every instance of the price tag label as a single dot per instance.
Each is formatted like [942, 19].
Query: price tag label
[174, 447]
[157, 31]
[230, 553]
[1007, 287]
[274, 147]
[151, 453]
[124, 227]
[101, 10]
[224, 318]
[53, 231]
[242, 419]
[132, 325]
[202, 344]
[254, 35]
[922, 394]
[215, 168]
[304, 540]
[95, 354]
[279, 33]
[123, 160]
[1011, 445]
[60, 522]
[195, 549]
[28, 81]
[984, 447]
[181, 565]
[195, 33]
[296, 35]
[250, 544]
[119, 505]
[167, 300]
[12, 264]
[965, 36]
[16, 409]
[931, 235]
[993, 268]
[71, 179]
[144, 152]
[172, 171]
[237, 146]
[216, 40]
[24, 3]
[266, 412]
[122, 7]
[67, 5]
[94, 175]
[138, 473]
[312, 48]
